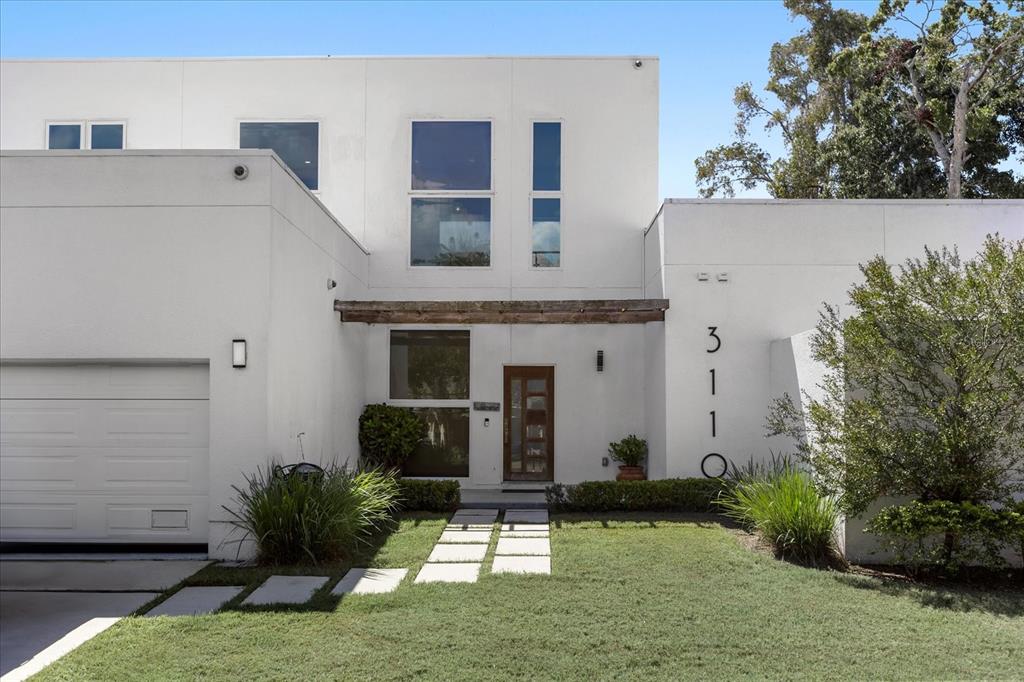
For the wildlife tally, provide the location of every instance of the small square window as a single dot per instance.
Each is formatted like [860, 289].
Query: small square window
[297, 143]
[547, 157]
[451, 155]
[430, 364]
[64, 136]
[106, 136]
[547, 233]
[451, 231]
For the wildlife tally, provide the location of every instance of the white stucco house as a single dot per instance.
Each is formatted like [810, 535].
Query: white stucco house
[206, 262]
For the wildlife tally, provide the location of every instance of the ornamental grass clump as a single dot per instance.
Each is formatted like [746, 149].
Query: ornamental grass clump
[315, 517]
[786, 510]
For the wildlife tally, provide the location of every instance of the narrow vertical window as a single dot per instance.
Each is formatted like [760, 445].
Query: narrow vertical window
[546, 197]
[64, 136]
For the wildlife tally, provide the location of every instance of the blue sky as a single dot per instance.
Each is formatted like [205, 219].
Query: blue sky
[706, 48]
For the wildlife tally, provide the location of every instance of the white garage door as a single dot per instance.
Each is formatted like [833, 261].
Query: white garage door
[104, 453]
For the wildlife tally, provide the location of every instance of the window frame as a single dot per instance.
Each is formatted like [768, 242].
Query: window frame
[106, 122]
[292, 119]
[64, 122]
[446, 193]
[547, 194]
[466, 403]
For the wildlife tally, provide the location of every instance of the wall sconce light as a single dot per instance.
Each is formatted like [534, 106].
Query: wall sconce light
[600, 361]
[238, 353]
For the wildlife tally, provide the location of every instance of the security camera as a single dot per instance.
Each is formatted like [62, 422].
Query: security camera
[241, 172]
[638, 63]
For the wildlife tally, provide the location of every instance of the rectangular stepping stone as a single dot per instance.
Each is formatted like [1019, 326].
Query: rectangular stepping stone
[286, 589]
[522, 564]
[448, 573]
[524, 534]
[524, 526]
[523, 546]
[195, 601]
[470, 526]
[452, 553]
[526, 516]
[370, 581]
[470, 510]
[450, 537]
[473, 518]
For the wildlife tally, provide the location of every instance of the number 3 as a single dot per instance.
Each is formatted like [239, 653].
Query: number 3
[718, 341]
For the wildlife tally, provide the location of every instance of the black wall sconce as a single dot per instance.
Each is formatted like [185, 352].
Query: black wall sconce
[238, 353]
[600, 361]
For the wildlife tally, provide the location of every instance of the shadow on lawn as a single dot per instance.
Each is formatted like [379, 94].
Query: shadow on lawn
[1003, 600]
[640, 519]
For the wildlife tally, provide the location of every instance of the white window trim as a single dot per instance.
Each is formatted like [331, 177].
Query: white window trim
[466, 403]
[87, 139]
[447, 194]
[548, 194]
[60, 122]
[319, 142]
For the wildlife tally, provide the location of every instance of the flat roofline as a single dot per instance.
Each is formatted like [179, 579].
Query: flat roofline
[50, 60]
[232, 153]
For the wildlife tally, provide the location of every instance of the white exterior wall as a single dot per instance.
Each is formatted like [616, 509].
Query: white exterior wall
[133, 257]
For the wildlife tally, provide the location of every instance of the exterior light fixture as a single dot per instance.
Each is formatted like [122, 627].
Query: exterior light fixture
[600, 361]
[238, 353]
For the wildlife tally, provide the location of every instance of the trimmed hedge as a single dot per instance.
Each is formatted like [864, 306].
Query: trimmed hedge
[670, 494]
[428, 495]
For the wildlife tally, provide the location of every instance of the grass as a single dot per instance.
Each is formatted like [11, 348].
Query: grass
[635, 597]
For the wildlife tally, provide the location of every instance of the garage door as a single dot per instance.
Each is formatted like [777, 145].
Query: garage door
[104, 453]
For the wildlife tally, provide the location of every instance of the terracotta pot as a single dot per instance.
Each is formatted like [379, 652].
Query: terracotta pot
[630, 474]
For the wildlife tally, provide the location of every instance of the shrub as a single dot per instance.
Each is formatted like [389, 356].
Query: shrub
[672, 494]
[388, 435]
[950, 535]
[424, 495]
[314, 517]
[630, 451]
[787, 511]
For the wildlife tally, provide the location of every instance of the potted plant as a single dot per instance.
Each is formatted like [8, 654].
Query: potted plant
[630, 453]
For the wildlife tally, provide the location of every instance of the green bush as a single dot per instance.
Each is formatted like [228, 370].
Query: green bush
[950, 535]
[787, 511]
[426, 495]
[631, 451]
[315, 517]
[388, 435]
[672, 494]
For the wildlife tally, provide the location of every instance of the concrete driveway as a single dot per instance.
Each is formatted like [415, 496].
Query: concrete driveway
[48, 608]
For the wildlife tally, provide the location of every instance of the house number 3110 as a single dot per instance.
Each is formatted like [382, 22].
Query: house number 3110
[713, 464]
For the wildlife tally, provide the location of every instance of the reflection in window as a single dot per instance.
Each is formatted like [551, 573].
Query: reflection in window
[64, 136]
[297, 143]
[106, 136]
[547, 233]
[547, 157]
[430, 364]
[445, 451]
[451, 155]
[452, 232]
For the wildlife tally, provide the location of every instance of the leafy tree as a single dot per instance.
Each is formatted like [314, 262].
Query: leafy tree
[924, 391]
[863, 112]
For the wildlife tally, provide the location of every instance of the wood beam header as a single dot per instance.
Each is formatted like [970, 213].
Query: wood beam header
[620, 311]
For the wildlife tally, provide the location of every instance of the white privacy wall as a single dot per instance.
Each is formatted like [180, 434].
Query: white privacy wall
[365, 106]
[782, 259]
[135, 257]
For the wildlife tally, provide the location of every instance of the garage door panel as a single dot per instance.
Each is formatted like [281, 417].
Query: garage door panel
[100, 381]
[104, 452]
[84, 518]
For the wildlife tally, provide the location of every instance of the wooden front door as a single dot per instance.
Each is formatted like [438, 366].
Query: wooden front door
[529, 424]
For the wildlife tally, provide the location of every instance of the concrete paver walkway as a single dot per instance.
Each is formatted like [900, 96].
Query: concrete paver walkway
[195, 601]
[286, 589]
[370, 581]
[524, 544]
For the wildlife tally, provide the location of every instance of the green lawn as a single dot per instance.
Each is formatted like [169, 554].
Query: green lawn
[637, 597]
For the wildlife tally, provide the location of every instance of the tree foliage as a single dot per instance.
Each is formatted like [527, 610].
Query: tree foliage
[865, 112]
[924, 391]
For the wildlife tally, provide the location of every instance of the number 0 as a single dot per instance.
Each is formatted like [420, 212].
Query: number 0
[718, 341]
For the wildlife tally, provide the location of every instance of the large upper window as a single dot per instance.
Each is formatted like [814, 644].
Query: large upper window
[297, 143]
[450, 209]
[85, 135]
[430, 376]
[546, 197]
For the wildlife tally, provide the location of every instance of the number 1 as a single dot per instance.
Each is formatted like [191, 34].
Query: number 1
[712, 381]
[713, 434]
